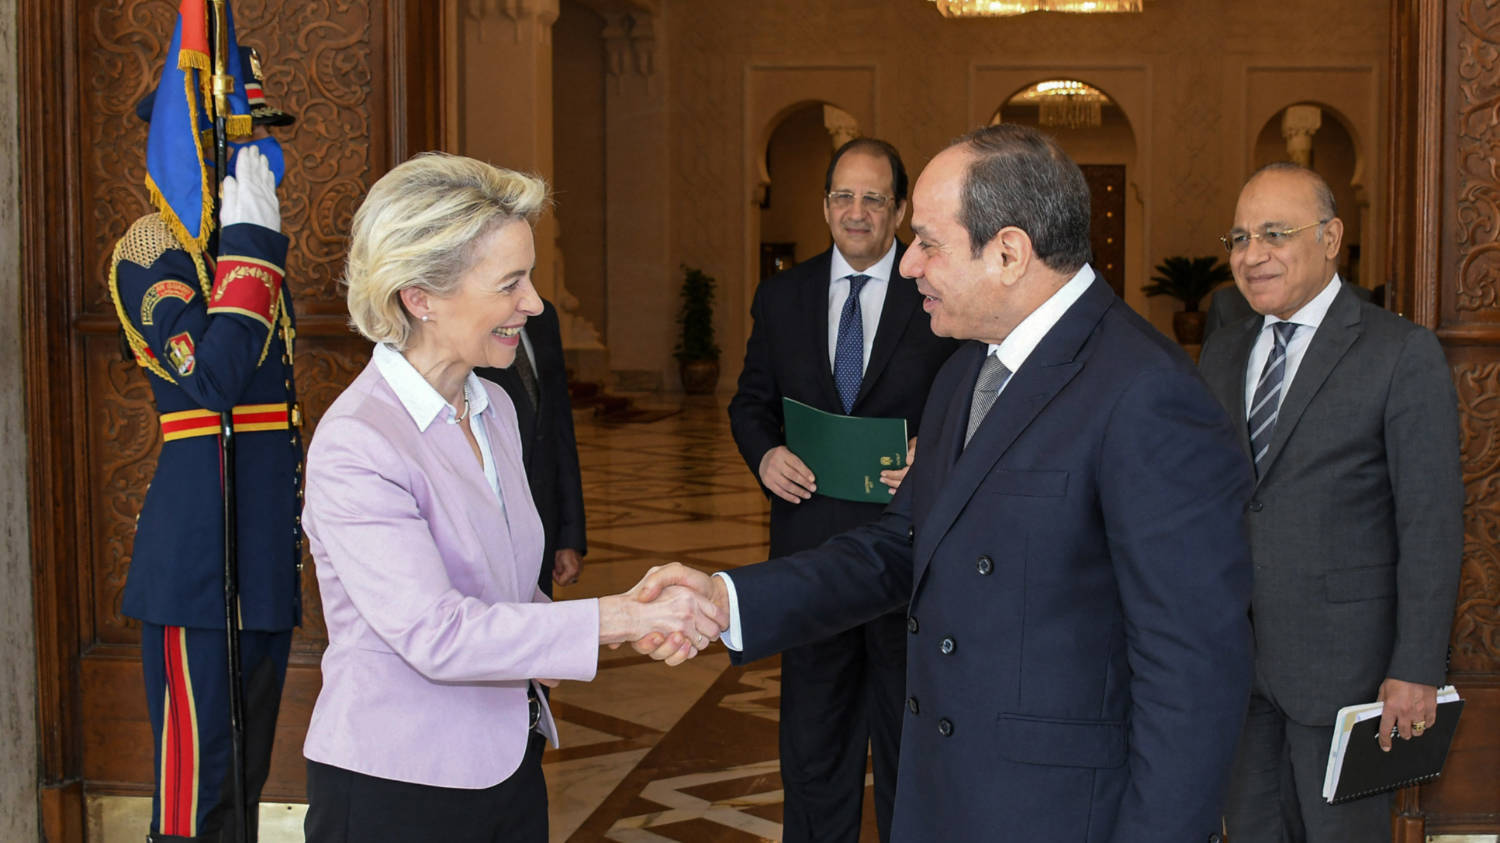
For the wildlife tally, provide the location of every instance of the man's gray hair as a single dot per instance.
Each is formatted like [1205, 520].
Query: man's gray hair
[1020, 177]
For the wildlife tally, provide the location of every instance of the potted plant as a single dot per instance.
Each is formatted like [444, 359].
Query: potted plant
[1188, 280]
[697, 354]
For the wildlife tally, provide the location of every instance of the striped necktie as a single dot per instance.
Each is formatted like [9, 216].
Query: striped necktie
[992, 375]
[1267, 401]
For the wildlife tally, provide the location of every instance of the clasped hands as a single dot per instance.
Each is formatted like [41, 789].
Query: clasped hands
[672, 614]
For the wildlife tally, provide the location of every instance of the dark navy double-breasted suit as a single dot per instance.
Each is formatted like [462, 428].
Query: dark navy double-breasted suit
[1077, 583]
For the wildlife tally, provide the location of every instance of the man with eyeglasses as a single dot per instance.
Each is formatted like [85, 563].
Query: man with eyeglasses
[1349, 418]
[844, 332]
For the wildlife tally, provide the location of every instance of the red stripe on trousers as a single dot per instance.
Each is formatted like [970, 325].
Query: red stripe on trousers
[177, 761]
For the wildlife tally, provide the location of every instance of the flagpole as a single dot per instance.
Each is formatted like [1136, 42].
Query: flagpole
[223, 85]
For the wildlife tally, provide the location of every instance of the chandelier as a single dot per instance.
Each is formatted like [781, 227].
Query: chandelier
[1002, 8]
[1065, 104]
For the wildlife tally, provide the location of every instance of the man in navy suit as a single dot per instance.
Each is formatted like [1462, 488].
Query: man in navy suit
[844, 332]
[1069, 546]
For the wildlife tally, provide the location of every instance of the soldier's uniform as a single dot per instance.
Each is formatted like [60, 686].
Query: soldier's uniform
[212, 335]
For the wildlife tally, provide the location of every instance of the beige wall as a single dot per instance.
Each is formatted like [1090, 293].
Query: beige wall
[18, 737]
[578, 155]
[1197, 81]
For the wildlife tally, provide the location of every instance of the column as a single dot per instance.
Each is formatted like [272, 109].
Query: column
[642, 278]
[505, 100]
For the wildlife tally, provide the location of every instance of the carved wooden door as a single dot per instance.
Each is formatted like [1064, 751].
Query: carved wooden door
[1444, 238]
[361, 79]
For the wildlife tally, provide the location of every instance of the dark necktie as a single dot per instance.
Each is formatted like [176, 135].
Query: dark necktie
[527, 375]
[1267, 401]
[992, 376]
[849, 354]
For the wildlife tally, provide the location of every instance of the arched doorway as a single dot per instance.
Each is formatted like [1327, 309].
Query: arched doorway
[1317, 136]
[792, 227]
[1092, 127]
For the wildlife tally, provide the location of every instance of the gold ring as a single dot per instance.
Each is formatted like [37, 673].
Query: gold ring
[1418, 725]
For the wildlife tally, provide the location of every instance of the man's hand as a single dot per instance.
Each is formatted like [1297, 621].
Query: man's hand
[566, 565]
[250, 194]
[1410, 710]
[894, 478]
[670, 603]
[667, 647]
[786, 475]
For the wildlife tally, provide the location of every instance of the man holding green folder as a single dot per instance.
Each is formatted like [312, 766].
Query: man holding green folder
[843, 333]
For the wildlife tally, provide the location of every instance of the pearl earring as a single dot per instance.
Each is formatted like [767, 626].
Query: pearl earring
[426, 317]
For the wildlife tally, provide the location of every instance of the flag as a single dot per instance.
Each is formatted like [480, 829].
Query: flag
[179, 146]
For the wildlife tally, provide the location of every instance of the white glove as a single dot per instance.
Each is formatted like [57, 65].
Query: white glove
[250, 194]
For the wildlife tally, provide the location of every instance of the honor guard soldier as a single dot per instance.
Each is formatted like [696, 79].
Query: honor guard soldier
[215, 334]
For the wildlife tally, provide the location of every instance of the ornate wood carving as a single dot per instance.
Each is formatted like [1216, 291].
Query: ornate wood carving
[1478, 150]
[124, 441]
[338, 66]
[1476, 623]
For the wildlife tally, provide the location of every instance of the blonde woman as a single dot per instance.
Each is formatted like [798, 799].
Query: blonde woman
[430, 723]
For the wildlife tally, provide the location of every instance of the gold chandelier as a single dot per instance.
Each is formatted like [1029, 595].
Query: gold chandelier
[1065, 104]
[1002, 8]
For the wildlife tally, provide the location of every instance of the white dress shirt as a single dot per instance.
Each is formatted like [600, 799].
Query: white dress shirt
[424, 403]
[1309, 317]
[1013, 351]
[871, 298]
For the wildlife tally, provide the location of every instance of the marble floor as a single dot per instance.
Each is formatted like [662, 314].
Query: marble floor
[649, 753]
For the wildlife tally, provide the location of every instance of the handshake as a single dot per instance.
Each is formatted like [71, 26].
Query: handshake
[672, 614]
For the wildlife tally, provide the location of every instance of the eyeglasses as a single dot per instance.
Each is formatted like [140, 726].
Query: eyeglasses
[842, 199]
[1238, 241]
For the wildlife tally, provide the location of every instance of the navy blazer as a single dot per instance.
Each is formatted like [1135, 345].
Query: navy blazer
[787, 356]
[1078, 583]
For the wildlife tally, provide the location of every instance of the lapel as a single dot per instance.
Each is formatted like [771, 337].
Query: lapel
[901, 300]
[1049, 368]
[1340, 328]
[1233, 379]
[813, 301]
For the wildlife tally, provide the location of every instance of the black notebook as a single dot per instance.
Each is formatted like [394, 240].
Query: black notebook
[1357, 767]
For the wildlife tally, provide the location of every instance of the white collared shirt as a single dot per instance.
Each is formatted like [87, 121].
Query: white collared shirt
[424, 404]
[1026, 336]
[871, 298]
[1013, 351]
[1309, 317]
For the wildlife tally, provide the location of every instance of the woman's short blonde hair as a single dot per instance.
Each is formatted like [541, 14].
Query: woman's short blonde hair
[417, 228]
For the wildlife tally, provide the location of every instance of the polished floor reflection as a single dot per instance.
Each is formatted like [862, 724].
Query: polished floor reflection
[649, 753]
[654, 753]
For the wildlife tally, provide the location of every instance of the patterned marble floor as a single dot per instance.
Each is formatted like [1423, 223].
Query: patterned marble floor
[650, 753]
[654, 753]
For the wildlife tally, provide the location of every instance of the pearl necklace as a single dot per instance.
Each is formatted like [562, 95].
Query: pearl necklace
[465, 414]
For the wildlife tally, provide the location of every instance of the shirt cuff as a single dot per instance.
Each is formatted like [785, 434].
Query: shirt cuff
[731, 636]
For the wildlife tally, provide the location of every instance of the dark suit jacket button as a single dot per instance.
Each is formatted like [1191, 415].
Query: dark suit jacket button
[911, 535]
[911, 703]
[945, 727]
[1216, 837]
[984, 566]
[1256, 506]
[911, 624]
[948, 645]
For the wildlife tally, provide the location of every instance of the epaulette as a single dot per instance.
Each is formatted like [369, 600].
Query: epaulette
[143, 245]
[147, 240]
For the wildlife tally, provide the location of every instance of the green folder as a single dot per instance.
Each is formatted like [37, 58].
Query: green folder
[845, 453]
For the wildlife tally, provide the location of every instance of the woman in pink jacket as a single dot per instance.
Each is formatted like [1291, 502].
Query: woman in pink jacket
[430, 723]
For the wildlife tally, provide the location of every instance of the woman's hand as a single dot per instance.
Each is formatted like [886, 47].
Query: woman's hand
[672, 604]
